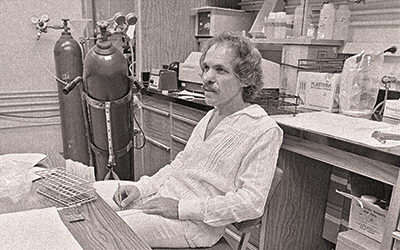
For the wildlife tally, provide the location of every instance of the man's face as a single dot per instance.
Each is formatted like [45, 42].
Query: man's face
[221, 84]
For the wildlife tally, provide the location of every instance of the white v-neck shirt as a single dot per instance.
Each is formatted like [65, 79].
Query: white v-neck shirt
[226, 177]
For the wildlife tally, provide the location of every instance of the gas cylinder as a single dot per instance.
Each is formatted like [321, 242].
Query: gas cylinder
[68, 64]
[107, 91]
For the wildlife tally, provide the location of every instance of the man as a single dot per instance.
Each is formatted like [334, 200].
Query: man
[225, 171]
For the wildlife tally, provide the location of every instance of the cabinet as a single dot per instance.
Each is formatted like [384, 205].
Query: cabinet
[377, 163]
[167, 126]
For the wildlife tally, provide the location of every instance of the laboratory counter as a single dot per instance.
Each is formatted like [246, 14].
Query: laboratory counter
[316, 145]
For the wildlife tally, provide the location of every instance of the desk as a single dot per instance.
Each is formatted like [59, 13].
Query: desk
[102, 227]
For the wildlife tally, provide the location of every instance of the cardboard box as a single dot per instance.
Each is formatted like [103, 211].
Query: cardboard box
[366, 218]
[392, 112]
[318, 91]
[352, 240]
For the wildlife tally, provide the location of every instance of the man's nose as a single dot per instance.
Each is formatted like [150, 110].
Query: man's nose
[208, 76]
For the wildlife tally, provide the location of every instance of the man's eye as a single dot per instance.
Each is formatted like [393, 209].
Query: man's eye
[220, 70]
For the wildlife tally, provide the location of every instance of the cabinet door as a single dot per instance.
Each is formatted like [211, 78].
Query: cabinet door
[157, 129]
[155, 156]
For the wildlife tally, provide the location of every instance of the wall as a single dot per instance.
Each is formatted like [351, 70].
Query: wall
[29, 116]
[24, 60]
[166, 30]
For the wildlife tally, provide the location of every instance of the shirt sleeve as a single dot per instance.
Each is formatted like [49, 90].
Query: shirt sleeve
[248, 201]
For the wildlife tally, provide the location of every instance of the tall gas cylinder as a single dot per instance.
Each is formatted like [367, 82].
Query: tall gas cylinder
[68, 64]
[107, 91]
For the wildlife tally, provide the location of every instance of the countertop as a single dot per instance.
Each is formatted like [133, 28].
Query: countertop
[333, 130]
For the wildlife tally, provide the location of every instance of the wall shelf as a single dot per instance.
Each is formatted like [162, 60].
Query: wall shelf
[267, 44]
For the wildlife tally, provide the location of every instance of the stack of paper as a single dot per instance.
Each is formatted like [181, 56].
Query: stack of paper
[35, 229]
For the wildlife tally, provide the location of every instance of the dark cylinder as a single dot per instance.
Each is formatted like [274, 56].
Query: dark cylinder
[68, 63]
[106, 80]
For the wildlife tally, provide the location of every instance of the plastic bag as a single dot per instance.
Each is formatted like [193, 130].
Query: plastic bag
[360, 83]
[15, 178]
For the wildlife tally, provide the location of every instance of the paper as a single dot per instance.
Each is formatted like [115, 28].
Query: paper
[33, 159]
[358, 130]
[35, 229]
[27, 159]
[80, 170]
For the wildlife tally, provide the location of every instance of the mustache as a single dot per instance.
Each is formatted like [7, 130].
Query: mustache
[206, 86]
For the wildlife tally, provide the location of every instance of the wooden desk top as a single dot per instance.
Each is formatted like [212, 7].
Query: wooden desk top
[101, 229]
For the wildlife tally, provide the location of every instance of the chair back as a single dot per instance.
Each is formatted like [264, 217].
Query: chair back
[249, 226]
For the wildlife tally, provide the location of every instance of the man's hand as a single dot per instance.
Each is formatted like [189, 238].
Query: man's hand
[166, 207]
[125, 194]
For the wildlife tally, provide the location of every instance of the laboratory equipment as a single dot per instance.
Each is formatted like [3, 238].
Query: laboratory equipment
[105, 96]
[69, 69]
[64, 187]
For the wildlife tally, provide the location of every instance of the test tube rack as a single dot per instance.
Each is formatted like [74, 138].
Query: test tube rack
[64, 187]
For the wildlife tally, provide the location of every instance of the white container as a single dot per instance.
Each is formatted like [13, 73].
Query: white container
[298, 20]
[311, 31]
[326, 21]
[342, 23]
[289, 25]
[269, 25]
[280, 25]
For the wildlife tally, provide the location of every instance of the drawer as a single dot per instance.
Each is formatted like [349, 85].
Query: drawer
[182, 127]
[155, 155]
[156, 103]
[156, 124]
[188, 112]
[177, 145]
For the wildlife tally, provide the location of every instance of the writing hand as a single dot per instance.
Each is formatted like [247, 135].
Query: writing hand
[166, 207]
[125, 194]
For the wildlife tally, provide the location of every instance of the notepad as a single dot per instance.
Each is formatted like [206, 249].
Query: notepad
[35, 229]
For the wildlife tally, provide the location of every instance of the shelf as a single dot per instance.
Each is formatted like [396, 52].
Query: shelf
[274, 44]
[371, 168]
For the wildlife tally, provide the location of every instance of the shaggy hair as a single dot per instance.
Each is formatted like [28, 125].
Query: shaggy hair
[247, 63]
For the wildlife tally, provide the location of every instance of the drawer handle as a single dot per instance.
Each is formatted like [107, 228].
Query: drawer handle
[162, 112]
[184, 119]
[158, 144]
[178, 139]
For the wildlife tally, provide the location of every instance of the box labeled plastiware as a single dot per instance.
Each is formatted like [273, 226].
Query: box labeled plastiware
[318, 90]
[366, 217]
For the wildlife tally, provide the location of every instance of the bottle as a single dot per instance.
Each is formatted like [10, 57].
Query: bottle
[342, 23]
[269, 29]
[326, 21]
[298, 20]
[311, 31]
[280, 25]
[289, 25]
